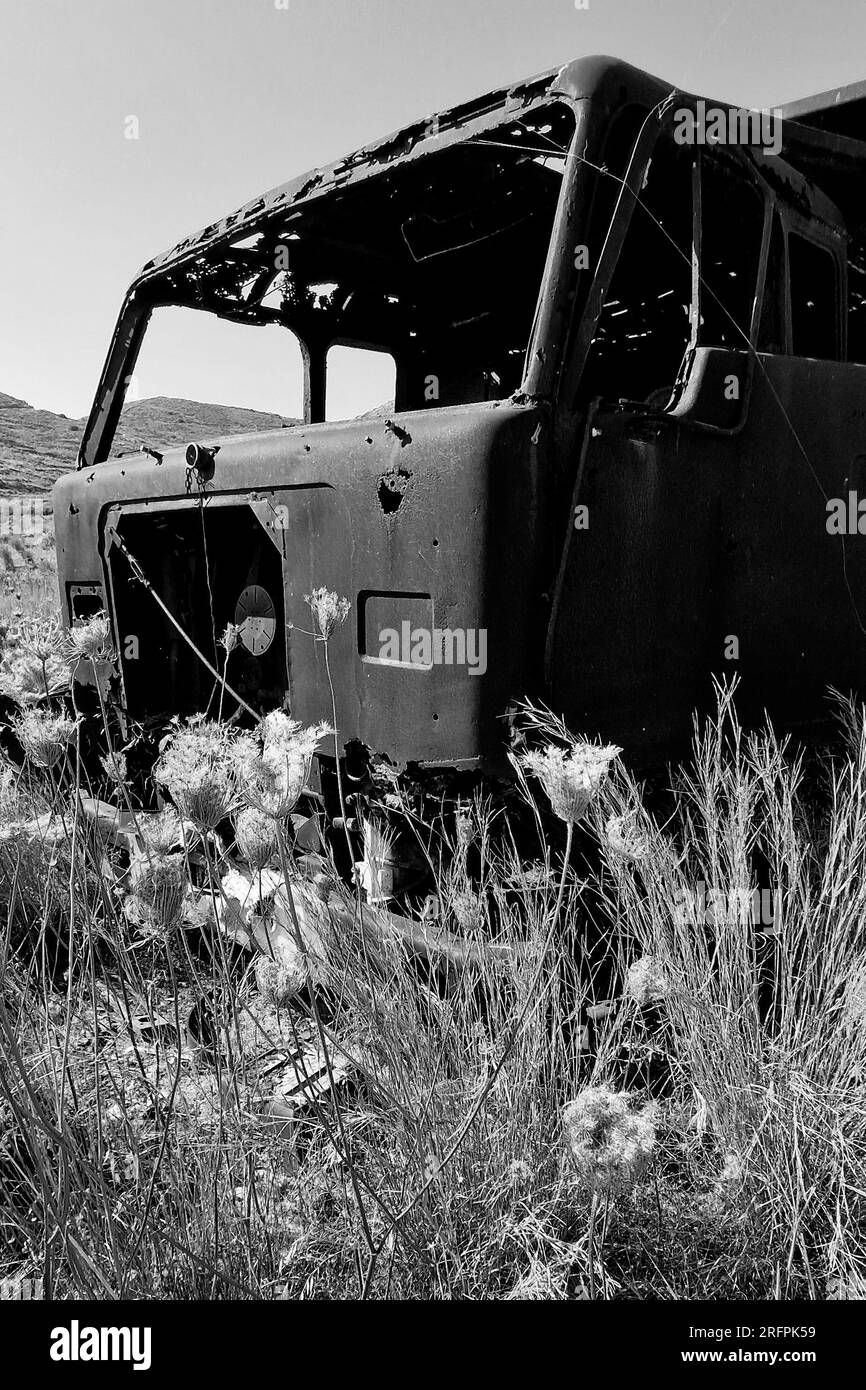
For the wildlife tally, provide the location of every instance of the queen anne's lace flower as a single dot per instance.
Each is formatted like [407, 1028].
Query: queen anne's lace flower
[273, 776]
[646, 982]
[570, 779]
[195, 767]
[609, 1144]
[44, 736]
[29, 675]
[328, 609]
[256, 837]
[280, 980]
[90, 639]
[468, 910]
[41, 638]
[158, 887]
[162, 833]
[624, 838]
[114, 766]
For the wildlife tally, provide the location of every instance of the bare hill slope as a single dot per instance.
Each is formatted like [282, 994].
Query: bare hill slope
[36, 446]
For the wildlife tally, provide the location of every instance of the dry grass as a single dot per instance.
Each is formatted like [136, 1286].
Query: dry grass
[28, 577]
[146, 1153]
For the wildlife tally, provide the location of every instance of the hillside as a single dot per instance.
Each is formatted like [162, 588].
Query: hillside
[36, 446]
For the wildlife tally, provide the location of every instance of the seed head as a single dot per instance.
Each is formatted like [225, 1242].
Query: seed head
[468, 911]
[273, 777]
[624, 838]
[41, 638]
[196, 769]
[646, 982]
[609, 1145]
[90, 639]
[572, 778]
[114, 766]
[465, 829]
[159, 887]
[256, 837]
[27, 678]
[162, 833]
[280, 980]
[44, 736]
[328, 609]
[230, 637]
[279, 729]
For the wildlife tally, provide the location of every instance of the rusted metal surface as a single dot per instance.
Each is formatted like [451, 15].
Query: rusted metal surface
[468, 487]
[706, 518]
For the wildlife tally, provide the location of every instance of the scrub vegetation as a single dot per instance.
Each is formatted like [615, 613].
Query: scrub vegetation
[226, 1074]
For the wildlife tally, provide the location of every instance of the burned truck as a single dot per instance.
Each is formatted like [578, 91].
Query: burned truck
[623, 459]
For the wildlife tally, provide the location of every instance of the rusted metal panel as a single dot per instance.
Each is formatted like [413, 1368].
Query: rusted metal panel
[469, 533]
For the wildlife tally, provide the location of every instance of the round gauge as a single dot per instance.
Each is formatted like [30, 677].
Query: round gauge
[256, 617]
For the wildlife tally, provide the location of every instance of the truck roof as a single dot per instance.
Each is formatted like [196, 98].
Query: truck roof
[592, 76]
[821, 135]
[842, 110]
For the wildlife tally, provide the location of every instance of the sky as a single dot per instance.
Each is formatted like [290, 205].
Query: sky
[231, 97]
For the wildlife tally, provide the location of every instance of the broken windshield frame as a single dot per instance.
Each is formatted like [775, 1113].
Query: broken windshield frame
[441, 263]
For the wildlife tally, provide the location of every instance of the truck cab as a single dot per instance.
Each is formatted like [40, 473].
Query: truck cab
[627, 386]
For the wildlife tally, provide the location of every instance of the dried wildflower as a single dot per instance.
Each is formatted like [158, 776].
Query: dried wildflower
[195, 767]
[465, 829]
[162, 832]
[646, 982]
[624, 838]
[328, 609]
[532, 878]
[609, 1145]
[27, 678]
[230, 638]
[272, 778]
[159, 887]
[278, 728]
[41, 638]
[44, 736]
[90, 639]
[571, 778]
[732, 1170]
[280, 980]
[114, 766]
[256, 837]
[468, 910]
